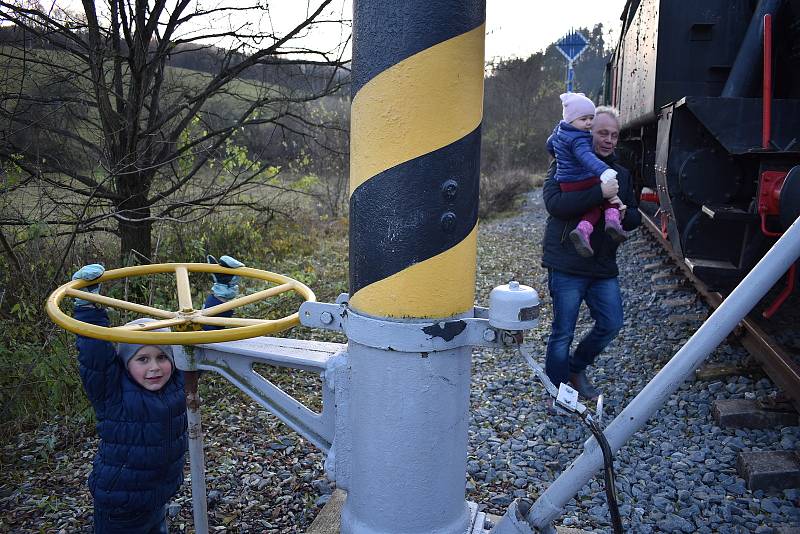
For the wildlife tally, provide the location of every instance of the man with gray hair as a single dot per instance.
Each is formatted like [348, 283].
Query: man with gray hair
[572, 278]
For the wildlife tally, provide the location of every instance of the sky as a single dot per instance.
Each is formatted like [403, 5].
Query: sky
[519, 28]
[514, 28]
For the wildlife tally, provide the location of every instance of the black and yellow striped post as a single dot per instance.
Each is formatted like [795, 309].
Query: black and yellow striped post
[414, 174]
[415, 150]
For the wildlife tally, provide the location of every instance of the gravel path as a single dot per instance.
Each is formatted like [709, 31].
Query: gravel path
[677, 475]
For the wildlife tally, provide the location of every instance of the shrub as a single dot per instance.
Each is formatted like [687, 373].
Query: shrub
[501, 190]
[38, 370]
[39, 378]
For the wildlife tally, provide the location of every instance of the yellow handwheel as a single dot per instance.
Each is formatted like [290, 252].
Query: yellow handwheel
[186, 317]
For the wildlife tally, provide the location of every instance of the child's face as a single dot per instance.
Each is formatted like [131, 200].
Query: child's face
[583, 123]
[150, 368]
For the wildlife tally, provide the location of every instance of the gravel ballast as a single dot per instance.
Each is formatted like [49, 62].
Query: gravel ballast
[678, 474]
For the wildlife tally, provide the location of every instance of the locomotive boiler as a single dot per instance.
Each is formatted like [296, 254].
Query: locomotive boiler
[709, 100]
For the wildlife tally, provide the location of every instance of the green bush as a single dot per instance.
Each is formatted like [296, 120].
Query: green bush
[39, 379]
[38, 371]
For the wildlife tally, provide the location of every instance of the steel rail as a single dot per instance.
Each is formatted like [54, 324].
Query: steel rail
[779, 365]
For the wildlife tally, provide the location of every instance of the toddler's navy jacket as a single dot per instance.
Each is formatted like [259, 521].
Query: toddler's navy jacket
[572, 149]
[143, 439]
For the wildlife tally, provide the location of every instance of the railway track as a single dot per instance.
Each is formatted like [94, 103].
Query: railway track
[778, 364]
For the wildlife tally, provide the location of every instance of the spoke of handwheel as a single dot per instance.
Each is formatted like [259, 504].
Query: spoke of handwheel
[228, 321]
[184, 292]
[119, 304]
[248, 299]
[154, 325]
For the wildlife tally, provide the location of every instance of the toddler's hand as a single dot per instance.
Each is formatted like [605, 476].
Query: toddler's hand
[610, 188]
[617, 203]
[226, 286]
[89, 272]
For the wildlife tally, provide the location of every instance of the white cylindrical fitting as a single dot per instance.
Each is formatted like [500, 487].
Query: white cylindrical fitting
[513, 307]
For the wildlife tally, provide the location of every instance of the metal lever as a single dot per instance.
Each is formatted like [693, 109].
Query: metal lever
[565, 396]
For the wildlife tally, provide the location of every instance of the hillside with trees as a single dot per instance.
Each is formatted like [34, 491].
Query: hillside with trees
[521, 104]
[101, 117]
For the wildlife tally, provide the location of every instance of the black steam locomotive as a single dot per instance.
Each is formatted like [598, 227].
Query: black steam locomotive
[709, 99]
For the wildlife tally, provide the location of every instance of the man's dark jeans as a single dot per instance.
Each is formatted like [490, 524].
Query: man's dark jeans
[604, 301]
[146, 522]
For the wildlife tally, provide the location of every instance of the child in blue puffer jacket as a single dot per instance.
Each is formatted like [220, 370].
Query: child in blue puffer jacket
[578, 168]
[138, 397]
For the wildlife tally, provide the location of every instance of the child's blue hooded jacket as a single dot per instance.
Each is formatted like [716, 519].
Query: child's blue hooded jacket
[572, 149]
[139, 462]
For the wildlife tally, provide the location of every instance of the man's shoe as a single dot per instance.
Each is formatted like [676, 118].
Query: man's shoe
[583, 386]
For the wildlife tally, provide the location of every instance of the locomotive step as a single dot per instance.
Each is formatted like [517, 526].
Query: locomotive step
[729, 213]
[702, 268]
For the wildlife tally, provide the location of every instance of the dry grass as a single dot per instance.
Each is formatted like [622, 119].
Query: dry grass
[501, 190]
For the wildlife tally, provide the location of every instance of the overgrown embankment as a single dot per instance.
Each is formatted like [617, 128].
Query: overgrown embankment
[38, 372]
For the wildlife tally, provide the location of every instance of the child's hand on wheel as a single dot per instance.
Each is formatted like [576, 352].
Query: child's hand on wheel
[226, 286]
[89, 272]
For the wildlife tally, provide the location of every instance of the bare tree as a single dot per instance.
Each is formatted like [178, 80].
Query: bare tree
[99, 116]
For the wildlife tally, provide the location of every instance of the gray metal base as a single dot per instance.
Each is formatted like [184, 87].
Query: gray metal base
[329, 519]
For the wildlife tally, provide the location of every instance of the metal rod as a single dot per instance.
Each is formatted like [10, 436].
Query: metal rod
[248, 299]
[119, 304]
[767, 96]
[778, 364]
[154, 325]
[228, 321]
[680, 368]
[196, 457]
[184, 290]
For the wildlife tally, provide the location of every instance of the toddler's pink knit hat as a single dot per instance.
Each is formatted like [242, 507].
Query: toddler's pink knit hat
[576, 105]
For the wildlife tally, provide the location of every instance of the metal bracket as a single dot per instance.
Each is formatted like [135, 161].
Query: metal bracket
[234, 360]
[405, 336]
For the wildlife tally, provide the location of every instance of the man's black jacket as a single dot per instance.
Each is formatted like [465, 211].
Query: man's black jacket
[565, 211]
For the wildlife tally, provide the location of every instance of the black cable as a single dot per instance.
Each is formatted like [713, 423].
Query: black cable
[608, 472]
[608, 456]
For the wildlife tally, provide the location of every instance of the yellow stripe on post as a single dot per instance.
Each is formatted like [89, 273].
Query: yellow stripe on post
[442, 286]
[419, 105]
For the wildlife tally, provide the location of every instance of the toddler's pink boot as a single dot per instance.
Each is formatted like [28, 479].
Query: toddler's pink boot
[614, 226]
[580, 238]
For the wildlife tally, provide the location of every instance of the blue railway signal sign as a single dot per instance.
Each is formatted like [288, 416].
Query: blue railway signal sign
[571, 46]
